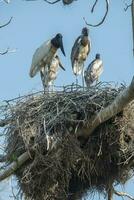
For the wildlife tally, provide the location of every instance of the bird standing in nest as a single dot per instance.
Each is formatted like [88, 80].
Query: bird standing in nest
[44, 55]
[49, 74]
[94, 70]
[79, 53]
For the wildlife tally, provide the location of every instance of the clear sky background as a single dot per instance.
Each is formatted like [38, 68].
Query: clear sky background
[36, 21]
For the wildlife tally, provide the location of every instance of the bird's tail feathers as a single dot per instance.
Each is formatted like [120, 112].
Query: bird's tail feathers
[33, 70]
[88, 79]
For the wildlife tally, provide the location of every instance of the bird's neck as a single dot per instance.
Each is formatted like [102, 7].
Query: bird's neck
[53, 48]
[84, 40]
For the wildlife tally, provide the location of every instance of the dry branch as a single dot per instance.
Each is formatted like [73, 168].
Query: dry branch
[104, 17]
[52, 2]
[6, 23]
[8, 51]
[10, 169]
[123, 194]
[120, 102]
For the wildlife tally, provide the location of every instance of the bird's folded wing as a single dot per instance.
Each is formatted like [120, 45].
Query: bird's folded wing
[39, 55]
[89, 46]
[75, 49]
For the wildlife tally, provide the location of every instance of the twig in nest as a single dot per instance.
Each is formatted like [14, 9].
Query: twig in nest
[103, 19]
[3, 158]
[14, 166]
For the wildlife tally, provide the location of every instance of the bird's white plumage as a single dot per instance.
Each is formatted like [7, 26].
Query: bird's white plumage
[79, 55]
[78, 67]
[79, 63]
[93, 71]
[83, 52]
[50, 72]
[43, 55]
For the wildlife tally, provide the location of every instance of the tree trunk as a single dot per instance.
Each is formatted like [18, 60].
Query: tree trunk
[120, 102]
[14, 166]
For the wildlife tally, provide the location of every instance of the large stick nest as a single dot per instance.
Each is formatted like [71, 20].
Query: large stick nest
[74, 166]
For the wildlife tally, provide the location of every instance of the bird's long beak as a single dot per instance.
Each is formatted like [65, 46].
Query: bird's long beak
[60, 64]
[62, 47]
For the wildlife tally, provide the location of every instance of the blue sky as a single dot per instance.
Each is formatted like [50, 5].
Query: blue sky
[36, 21]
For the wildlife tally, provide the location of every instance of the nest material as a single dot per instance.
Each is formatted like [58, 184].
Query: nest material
[74, 166]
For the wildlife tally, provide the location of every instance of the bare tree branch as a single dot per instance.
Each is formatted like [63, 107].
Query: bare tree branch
[6, 1]
[6, 23]
[14, 166]
[114, 108]
[8, 51]
[103, 19]
[56, 1]
[4, 52]
[123, 194]
[127, 6]
[52, 2]
[92, 10]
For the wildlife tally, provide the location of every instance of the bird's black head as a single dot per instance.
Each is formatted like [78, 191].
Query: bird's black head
[97, 56]
[85, 31]
[58, 43]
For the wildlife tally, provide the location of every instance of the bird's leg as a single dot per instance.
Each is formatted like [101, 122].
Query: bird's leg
[97, 81]
[53, 87]
[42, 79]
[83, 77]
[48, 88]
[76, 79]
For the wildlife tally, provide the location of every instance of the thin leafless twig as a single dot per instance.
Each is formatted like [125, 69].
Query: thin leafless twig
[8, 51]
[123, 194]
[6, 1]
[6, 23]
[52, 2]
[56, 1]
[4, 52]
[127, 6]
[103, 19]
[92, 10]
